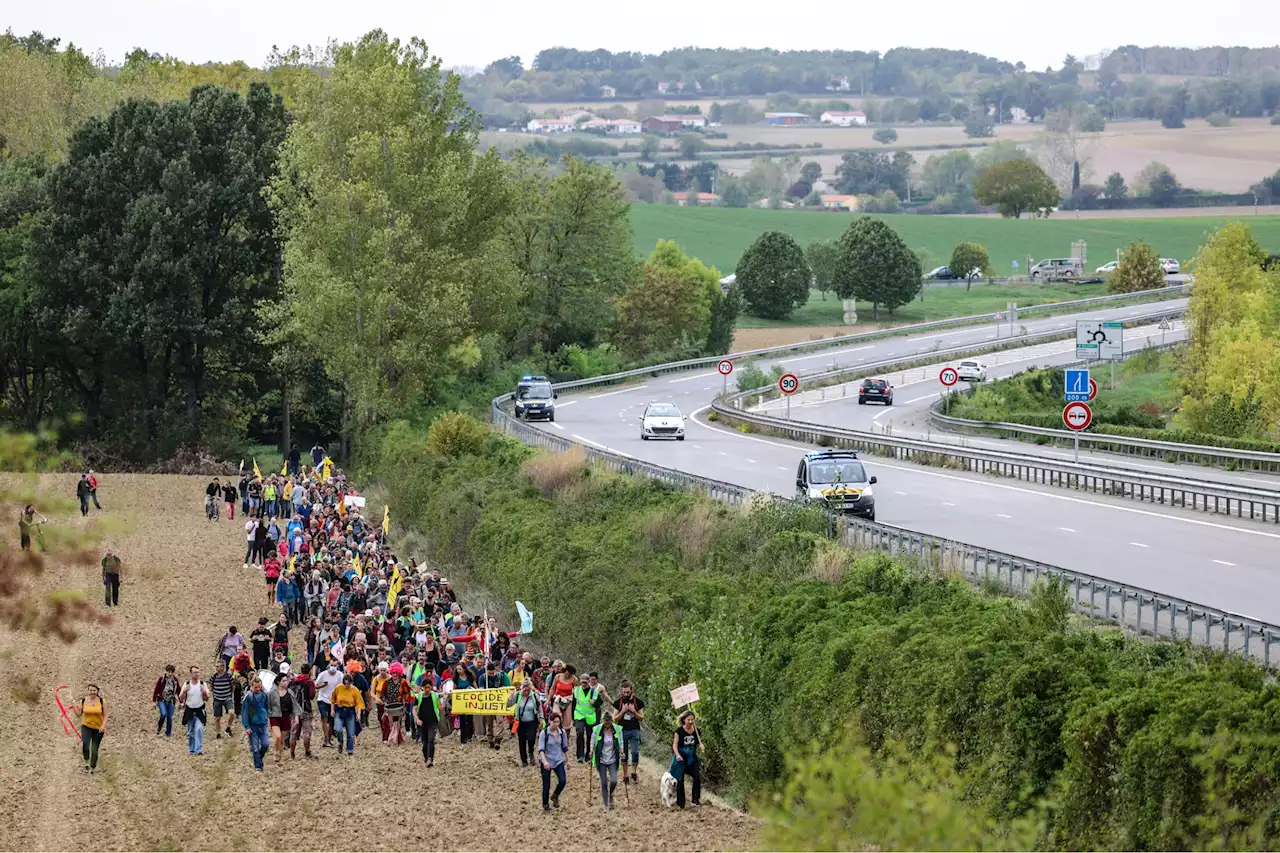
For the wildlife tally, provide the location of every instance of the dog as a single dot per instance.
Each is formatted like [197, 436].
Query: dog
[667, 790]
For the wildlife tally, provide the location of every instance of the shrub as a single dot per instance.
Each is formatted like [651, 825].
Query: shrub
[551, 473]
[1218, 119]
[456, 434]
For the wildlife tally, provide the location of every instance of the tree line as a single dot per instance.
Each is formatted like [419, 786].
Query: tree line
[227, 268]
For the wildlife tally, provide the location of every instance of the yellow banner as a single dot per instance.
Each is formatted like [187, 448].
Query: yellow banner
[491, 702]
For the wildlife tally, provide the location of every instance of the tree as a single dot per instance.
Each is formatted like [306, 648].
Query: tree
[865, 172]
[1139, 269]
[393, 261]
[876, 266]
[1267, 190]
[733, 193]
[570, 241]
[1114, 189]
[773, 276]
[811, 172]
[691, 144]
[944, 173]
[1017, 186]
[965, 258]
[1064, 145]
[507, 68]
[1174, 113]
[725, 306]
[799, 189]
[823, 257]
[1075, 176]
[885, 135]
[650, 144]
[1163, 188]
[979, 125]
[663, 311]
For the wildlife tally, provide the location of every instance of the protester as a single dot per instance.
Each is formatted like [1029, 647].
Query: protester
[494, 725]
[229, 498]
[686, 743]
[92, 713]
[394, 696]
[528, 717]
[27, 523]
[280, 711]
[348, 703]
[428, 715]
[303, 690]
[223, 686]
[93, 489]
[606, 749]
[553, 747]
[586, 707]
[83, 492]
[112, 574]
[630, 709]
[165, 695]
[230, 645]
[260, 638]
[251, 541]
[194, 696]
[255, 717]
[212, 498]
[328, 681]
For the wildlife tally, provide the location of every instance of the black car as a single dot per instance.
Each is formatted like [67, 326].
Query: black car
[875, 390]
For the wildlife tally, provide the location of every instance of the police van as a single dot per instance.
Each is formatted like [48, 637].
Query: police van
[535, 399]
[838, 480]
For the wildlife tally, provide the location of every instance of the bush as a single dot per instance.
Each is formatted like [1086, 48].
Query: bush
[1218, 119]
[552, 473]
[456, 434]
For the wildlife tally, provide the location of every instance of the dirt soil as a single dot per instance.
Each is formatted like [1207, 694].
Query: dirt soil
[183, 584]
[749, 339]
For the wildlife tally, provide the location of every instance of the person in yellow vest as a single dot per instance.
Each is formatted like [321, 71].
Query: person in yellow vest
[586, 708]
[269, 496]
[92, 712]
[286, 492]
[428, 715]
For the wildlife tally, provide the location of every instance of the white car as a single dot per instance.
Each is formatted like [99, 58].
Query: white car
[972, 371]
[1170, 266]
[1109, 266]
[661, 420]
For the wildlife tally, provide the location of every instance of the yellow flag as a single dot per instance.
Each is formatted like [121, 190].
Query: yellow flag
[256, 472]
[393, 591]
[293, 563]
[355, 564]
[284, 468]
[342, 509]
[326, 468]
[386, 520]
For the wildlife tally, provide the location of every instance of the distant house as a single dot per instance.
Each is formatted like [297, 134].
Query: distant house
[612, 126]
[661, 124]
[577, 116]
[690, 120]
[682, 198]
[663, 86]
[844, 118]
[786, 118]
[839, 202]
[608, 92]
[549, 125]
[1019, 115]
[763, 204]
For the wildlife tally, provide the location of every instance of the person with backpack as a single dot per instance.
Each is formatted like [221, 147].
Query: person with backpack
[193, 697]
[111, 576]
[212, 498]
[528, 716]
[165, 695]
[303, 690]
[586, 705]
[83, 490]
[92, 713]
[223, 687]
[230, 645]
[606, 750]
[229, 498]
[553, 748]
[630, 708]
[94, 482]
[429, 714]
[255, 717]
[493, 726]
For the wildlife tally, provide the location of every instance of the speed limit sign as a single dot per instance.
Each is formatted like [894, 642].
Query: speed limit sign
[788, 383]
[949, 376]
[725, 367]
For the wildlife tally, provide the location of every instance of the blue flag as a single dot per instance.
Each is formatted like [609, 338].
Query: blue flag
[526, 619]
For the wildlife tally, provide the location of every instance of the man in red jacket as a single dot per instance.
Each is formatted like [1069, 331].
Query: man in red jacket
[303, 690]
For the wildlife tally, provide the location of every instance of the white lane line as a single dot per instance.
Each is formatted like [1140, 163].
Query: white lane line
[1139, 545]
[695, 376]
[925, 397]
[904, 494]
[947, 503]
[887, 410]
[1016, 489]
[1223, 563]
[833, 353]
[619, 391]
[589, 441]
[1067, 529]
[780, 468]
[562, 405]
[1002, 515]
[557, 426]
[722, 453]
[751, 461]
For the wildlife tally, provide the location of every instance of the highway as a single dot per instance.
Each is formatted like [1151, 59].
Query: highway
[1215, 561]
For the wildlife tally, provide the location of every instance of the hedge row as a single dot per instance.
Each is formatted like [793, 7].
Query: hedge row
[1115, 742]
[1038, 419]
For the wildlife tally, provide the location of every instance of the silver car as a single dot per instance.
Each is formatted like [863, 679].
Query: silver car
[661, 420]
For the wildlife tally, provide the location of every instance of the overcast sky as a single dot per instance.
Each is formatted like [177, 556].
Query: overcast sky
[473, 34]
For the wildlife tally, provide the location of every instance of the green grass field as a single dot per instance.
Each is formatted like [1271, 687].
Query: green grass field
[718, 235]
[940, 303]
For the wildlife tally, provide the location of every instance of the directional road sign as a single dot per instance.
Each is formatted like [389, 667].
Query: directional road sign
[788, 383]
[1077, 416]
[1077, 386]
[949, 376]
[725, 367]
[1098, 339]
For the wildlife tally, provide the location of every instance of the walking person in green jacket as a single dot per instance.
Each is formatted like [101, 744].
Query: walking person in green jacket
[606, 752]
[428, 715]
[111, 576]
[586, 710]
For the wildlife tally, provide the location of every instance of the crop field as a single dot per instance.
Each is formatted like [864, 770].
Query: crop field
[719, 235]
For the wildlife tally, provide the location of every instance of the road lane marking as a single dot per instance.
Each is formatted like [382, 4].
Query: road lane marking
[751, 461]
[619, 391]
[785, 360]
[557, 426]
[1068, 529]
[1002, 515]
[562, 405]
[925, 397]
[589, 441]
[1139, 545]
[1224, 563]
[947, 503]
[1016, 489]
[904, 494]
[887, 410]
[695, 376]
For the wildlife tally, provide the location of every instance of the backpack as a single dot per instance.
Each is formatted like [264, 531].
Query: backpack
[393, 701]
[170, 691]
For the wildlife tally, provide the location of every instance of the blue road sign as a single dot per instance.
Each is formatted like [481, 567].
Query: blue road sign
[1077, 386]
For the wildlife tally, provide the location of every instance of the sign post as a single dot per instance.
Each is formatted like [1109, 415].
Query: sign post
[1164, 326]
[787, 384]
[948, 376]
[1077, 416]
[725, 367]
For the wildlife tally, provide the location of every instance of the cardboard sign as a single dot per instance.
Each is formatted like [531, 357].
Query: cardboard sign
[686, 694]
[489, 702]
[354, 500]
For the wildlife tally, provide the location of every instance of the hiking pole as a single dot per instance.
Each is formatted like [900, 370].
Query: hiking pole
[626, 786]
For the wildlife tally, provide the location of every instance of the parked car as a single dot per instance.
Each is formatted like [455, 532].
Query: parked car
[972, 371]
[945, 274]
[1170, 266]
[1109, 266]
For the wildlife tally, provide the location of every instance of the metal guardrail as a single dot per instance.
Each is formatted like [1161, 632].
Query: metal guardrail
[1167, 451]
[1172, 291]
[1124, 605]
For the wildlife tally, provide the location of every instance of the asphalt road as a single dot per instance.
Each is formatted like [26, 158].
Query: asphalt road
[1208, 559]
